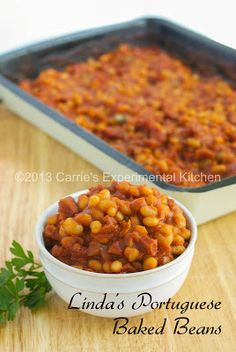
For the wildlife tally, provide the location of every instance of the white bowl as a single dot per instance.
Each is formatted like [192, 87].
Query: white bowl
[161, 283]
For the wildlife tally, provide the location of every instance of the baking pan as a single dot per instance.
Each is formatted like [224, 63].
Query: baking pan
[206, 202]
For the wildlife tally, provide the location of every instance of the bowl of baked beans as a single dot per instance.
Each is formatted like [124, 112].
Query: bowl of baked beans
[112, 243]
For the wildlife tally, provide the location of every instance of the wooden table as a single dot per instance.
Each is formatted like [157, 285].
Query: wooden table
[53, 327]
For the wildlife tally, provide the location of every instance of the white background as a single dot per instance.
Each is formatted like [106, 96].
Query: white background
[25, 21]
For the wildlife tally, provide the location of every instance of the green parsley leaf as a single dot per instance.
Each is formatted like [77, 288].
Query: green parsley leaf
[17, 250]
[22, 282]
[5, 275]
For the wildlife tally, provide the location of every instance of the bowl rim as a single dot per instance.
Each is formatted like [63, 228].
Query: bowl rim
[39, 239]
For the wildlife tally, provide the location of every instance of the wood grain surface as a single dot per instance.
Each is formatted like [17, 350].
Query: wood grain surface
[53, 327]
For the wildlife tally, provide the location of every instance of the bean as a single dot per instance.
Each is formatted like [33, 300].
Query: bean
[164, 199]
[95, 265]
[105, 204]
[180, 220]
[95, 226]
[105, 194]
[131, 254]
[93, 201]
[178, 240]
[125, 209]
[165, 240]
[97, 214]
[150, 199]
[68, 241]
[134, 191]
[84, 219]
[162, 164]
[119, 216]
[166, 229]
[123, 187]
[150, 221]
[149, 263]
[116, 266]
[83, 201]
[193, 142]
[141, 229]
[185, 233]
[112, 211]
[218, 169]
[145, 191]
[71, 227]
[177, 250]
[148, 211]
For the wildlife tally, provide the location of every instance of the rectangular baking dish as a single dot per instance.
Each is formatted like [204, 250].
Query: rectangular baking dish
[206, 202]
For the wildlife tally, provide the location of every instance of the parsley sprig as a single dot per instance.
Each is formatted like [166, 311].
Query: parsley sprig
[22, 282]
